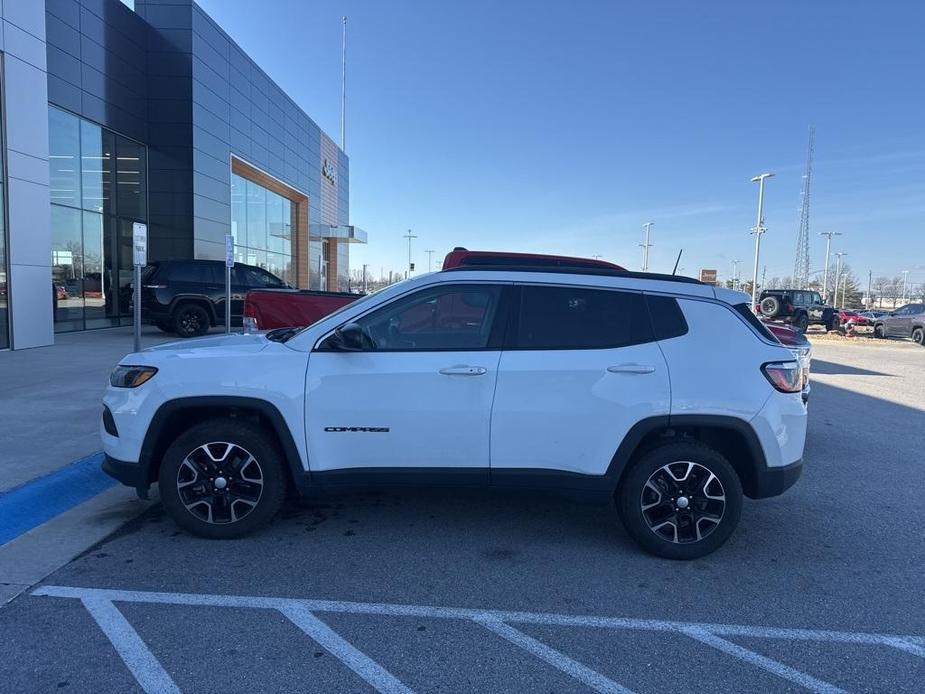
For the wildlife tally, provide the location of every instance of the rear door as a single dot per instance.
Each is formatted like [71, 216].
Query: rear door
[580, 367]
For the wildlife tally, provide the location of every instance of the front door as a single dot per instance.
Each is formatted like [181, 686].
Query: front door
[580, 369]
[899, 324]
[419, 395]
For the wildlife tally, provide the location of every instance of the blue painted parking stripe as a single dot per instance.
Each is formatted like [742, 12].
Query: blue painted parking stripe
[37, 501]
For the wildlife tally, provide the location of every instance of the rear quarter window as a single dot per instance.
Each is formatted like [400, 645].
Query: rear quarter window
[745, 311]
[667, 318]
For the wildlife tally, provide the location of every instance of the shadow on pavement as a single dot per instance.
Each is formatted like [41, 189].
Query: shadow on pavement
[833, 369]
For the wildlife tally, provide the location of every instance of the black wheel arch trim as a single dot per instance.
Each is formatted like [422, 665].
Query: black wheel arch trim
[752, 472]
[153, 448]
[199, 300]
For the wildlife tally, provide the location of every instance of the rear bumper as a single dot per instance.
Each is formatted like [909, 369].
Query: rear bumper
[773, 481]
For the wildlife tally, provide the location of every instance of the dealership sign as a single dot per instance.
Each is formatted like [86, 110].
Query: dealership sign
[329, 171]
[708, 276]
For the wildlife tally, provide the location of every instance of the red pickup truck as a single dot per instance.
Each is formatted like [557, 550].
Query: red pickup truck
[265, 309]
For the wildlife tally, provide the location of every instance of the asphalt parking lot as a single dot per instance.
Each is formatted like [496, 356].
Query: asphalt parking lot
[455, 591]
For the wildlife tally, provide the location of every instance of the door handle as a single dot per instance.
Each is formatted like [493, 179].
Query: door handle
[631, 369]
[464, 371]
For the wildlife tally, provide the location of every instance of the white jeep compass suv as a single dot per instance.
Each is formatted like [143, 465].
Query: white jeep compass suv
[659, 392]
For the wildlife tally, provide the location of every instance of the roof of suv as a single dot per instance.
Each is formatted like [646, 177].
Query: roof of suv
[461, 257]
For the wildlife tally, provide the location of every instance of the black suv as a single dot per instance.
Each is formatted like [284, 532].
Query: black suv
[187, 297]
[799, 307]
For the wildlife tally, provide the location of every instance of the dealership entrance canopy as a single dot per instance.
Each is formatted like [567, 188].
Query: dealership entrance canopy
[117, 116]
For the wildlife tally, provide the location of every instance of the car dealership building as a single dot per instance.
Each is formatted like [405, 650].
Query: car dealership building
[113, 116]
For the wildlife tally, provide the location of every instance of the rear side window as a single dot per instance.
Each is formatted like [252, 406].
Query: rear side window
[667, 318]
[577, 318]
[197, 273]
[745, 311]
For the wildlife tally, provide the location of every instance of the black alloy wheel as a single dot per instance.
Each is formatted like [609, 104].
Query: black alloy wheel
[879, 332]
[918, 336]
[683, 502]
[220, 482]
[680, 500]
[222, 478]
[190, 320]
[802, 322]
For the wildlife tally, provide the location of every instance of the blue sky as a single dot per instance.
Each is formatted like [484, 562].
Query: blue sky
[563, 126]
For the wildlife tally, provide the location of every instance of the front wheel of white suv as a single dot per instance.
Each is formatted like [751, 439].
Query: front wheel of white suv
[222, 478]
[680, 500]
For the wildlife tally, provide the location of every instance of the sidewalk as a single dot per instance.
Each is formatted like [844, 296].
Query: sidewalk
[50, 400]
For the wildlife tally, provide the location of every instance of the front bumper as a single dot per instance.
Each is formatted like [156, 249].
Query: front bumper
[130, 474]
[773, 481]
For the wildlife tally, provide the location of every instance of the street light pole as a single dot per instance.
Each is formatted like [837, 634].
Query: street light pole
[735, 273]
[430, 258]
[645, 247]
[365, 287]
[870, 274]
[828, 244]
[838, 274]
[905, 274]
[758, 231]
[409, 236]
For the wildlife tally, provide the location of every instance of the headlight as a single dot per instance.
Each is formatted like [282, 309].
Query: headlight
[131, 376]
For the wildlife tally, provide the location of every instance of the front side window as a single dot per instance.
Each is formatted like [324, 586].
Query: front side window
[456, 317]
[574, 318]
[255, 277]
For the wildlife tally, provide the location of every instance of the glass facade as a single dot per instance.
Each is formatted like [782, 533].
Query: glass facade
[4, 282]
[98, 188]
[261, 223]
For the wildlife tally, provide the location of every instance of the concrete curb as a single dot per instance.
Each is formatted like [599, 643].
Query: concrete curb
[39, 552]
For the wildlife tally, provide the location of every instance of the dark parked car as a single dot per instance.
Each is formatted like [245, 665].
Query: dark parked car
[187, 297]
[799, 307]
[906, 321]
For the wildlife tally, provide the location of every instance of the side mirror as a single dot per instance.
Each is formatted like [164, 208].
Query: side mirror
[349, 337]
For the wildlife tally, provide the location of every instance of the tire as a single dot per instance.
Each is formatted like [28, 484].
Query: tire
[245, 460]
[834, 324]
[879, 332]
[801, 322]
[649, 511]
[190, 320]
[918, 336]
[769, 306]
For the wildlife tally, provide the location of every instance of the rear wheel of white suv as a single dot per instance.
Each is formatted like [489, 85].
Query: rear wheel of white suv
[680, 500]
[222, 478]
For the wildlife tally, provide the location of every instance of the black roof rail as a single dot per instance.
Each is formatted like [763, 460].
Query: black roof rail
[552, 269]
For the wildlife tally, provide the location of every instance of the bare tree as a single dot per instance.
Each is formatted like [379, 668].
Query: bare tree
[880, 287]
[893, 290]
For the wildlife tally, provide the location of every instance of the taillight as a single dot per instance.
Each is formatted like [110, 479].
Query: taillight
[785, 376]
[249, 319]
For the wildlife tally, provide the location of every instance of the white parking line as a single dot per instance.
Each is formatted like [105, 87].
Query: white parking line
[356, 660]
[302, 612]
[779, 669]
[138, 658]
[573, 668]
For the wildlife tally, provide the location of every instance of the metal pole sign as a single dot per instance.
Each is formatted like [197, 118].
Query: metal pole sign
[229, 264]
[139, 260]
